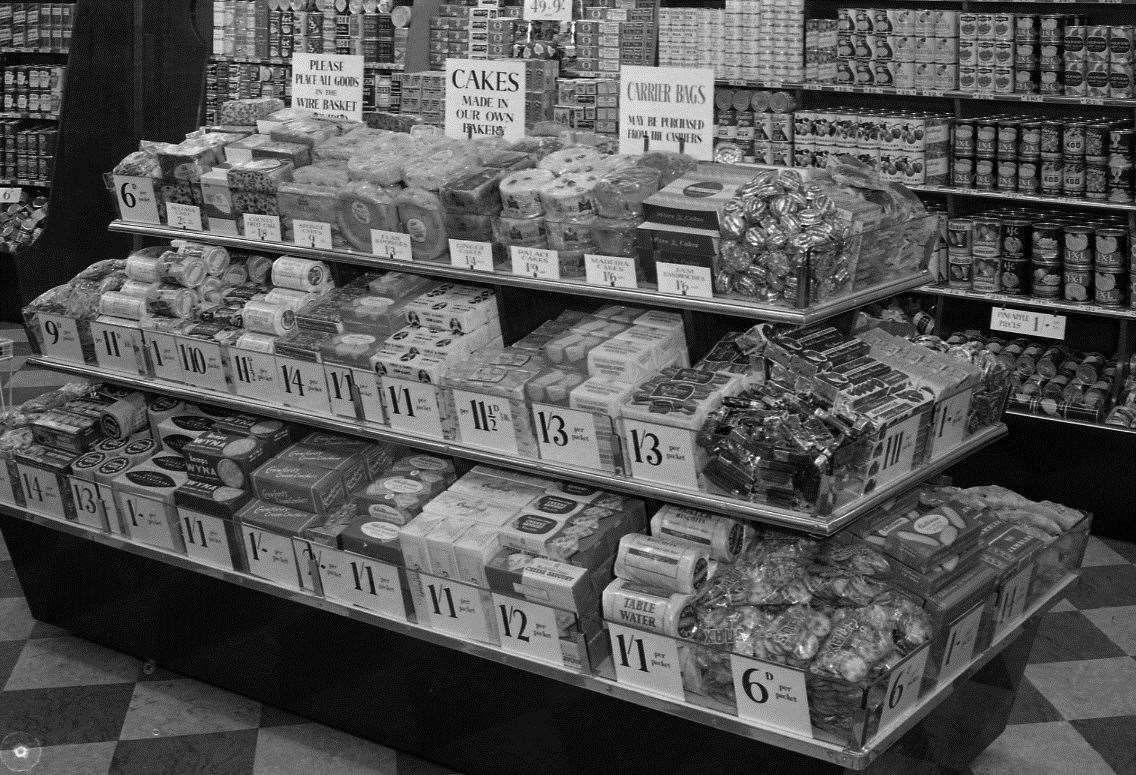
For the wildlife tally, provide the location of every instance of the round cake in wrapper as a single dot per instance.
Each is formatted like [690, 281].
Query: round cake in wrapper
[620, 194]
[520, 193]
[562, 161]
[363, 207]
[522, 232]
[570, 197]
[570, 236]
[420, 214]
[615, 237]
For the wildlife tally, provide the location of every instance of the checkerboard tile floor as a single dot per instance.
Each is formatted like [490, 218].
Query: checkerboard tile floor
[94, 711]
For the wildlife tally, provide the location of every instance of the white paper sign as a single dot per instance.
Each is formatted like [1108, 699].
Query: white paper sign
[1030, 323]
[136, 199]
[660, 453]
[202, 363]
[528, 629]
[311, 234]
[412, 407]
[355, 580]
[302, 385]
[960, 642]
[485, 98]
[162, 354]
[254, 374]
[535, 262]
[329, 85]
[548, 10]
[182, 216]
[612, 271]
[646, 660]
[263, 228]
[1012, 600]
[270, 556]
[41, 491]
[341, 390]
[903, 688]
[771, 695]
[10, 195]
[456, 609]
[897, 452]
[684, 280]
[148, 522]
[667, 109]
[391, 244]
[950, 423]
[469, 254]
[116, 347]
[206, 538]
[567, 436]
[60, 337]
[90, 503]
[485, 421]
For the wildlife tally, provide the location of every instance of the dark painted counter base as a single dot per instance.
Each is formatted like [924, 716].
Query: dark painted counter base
[477, 716]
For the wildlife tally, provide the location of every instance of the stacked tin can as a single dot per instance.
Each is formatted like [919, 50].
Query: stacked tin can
[1098, 60]
[754, 126]
[820, 50]
[986, 47]
[898, 47]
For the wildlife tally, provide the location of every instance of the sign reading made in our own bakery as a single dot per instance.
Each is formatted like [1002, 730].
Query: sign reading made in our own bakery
[329, 85]
[485, 98]
[667, 109]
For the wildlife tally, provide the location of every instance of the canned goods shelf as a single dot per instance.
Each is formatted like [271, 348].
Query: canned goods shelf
[817, 524]
[1014, 196]
[722, 306]
[1029, 302]
[885, 91]
[1099, 426]
[281, 62]
[38, 116]
[855, 759]
[33, 50]
[25, 182]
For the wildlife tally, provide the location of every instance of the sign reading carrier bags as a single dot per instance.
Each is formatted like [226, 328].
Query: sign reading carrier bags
[329, 85]
[667, 109]
[485, 98]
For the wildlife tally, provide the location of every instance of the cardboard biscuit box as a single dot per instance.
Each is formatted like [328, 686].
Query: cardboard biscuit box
[145, 496]
[297, 485]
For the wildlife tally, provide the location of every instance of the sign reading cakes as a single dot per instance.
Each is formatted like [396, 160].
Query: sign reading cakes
[667, 109]
[329, 85]
[485, 98]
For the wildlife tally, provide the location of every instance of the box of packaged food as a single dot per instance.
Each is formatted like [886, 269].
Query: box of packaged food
[295, 484]
[488, 404]
[207, 518]
[145, 496]
[267, 530]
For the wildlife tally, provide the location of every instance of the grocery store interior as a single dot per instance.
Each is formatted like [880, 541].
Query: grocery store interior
[642, 386]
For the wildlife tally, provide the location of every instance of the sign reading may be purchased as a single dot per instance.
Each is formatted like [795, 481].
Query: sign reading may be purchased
[329, 85]
[667, 109]
[485, 98]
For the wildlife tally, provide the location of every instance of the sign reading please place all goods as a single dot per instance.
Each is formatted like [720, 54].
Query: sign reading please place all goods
[667, 109]
[329, 85]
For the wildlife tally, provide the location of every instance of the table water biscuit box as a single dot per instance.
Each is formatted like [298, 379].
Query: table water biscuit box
[146, 507]
[297, 485]
[207, 519]
[267, 533]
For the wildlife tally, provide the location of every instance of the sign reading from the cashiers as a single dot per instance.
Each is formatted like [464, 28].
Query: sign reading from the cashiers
[667, 109]
[485, 98]
[329, 85]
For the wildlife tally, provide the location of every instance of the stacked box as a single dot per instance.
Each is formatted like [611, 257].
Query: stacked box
[899, 48]
[424, 94]
[590, 104]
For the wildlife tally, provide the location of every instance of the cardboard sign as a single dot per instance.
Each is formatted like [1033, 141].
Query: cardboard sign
[116, 346]
[528, 629]
[612, 271]
[660, 453]
[206, 538]
[42, 491]
[60, 337]
[136, 199]
[412, 407]
[667, 109]
[182, 216]
[485, 98]
[311, 234]
[684, 280]
[360, 581]
[538, 263]
[1021, 321]
[458, 609]
[647, 661]
[10, 196]
[329, 85]
[469, 254]
[771, 695]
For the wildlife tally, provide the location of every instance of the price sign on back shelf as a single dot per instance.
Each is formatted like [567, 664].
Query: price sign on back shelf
[548, 10]
[684, 280]
[10, 196]
[537, 263]
[471, 254]
[391, 244]
[612, 271]
[1020, 321]
[136, 199]
[263, 228]
[311, 234]
[182, 216]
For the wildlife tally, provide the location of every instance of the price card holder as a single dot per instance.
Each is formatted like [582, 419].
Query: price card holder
[684, 280]
[949, 427]
[308, 558]
[610, 271]
[661, 453]
[254, 374]
[43, 491]
[302, 385]
[528, 629]
[961, 639]
[61, 337]
[391, 244]
[94, 504]
[894, 456]
[207, 539]
[117, 347]
[341, 393]
[355, 580]
[263, 228]
[903, 687]
[570, 436]
[771, 695]
[136, 199]
[1027, 322]
[162, 356]
[412, 407]
[535, 262]
[270, 556]
[548, 10]
[202, 363]
[150, 521]
[311, 234]
[470, 254]
[368, 398]
[458, 609]
[9, 486]
[646, 661]
[181, 216]
[485, 421]
[1012, 600]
